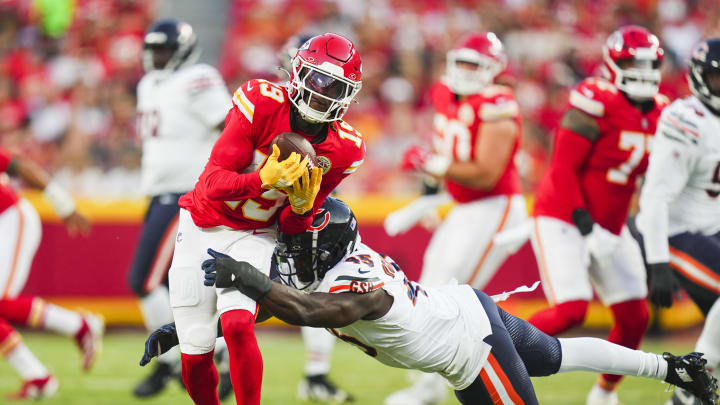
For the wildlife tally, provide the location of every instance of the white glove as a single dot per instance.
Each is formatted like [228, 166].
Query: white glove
[405, 218]
[601, 243]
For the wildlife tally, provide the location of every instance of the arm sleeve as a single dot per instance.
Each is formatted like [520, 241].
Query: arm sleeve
[209, 98]
[233, 152]
[570, 154]
[671, 163]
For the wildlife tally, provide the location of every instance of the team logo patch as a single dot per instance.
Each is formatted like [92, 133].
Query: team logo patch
[466, 115]
[325, 221]
[324, 163]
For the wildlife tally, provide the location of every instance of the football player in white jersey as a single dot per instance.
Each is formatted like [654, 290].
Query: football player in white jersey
[181, 108]
[679, 219]
[485, 354]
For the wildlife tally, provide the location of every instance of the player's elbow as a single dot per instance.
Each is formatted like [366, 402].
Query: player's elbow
[486, 178]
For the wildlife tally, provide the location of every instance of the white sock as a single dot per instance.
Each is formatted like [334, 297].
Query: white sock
[25, 363]
[61, 320]
[319, 344]
[709, 341]
[600, 356]
[155, 308]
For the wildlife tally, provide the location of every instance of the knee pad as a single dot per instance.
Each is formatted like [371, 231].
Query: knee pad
[198, 339]
[573, 312]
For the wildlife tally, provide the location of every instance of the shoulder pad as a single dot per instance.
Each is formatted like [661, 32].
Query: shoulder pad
[498, 103]
[591, 95]
[202, 77]
[678, 123]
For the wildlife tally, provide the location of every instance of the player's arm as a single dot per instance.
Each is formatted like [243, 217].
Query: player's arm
[290, 305]
[671, 163]
[34, 176]
[495, 142]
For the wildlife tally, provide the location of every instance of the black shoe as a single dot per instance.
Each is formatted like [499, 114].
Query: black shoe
[225, 385]
[155, 382]
[319, 388]
[688, 372]
[682, 397]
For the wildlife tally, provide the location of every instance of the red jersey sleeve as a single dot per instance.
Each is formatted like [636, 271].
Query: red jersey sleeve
[231, 154]
[570, 153]
[5, 159]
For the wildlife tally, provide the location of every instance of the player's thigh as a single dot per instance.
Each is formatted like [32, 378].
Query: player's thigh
[156, 244]
[562, 260]
[503, 378]
[461, 244]
[19, 240]
[696, 260]
[623, 277]
[257, 249]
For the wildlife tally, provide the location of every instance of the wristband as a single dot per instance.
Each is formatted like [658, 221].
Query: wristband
[61, 201]
[437, 165]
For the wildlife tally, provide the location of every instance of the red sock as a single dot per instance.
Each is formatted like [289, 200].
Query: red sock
[9, 338]
[246, 364]
[23, 310]
[200, 377]
[631, 320]
[559, 318]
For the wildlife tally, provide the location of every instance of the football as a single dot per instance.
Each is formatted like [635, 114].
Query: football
[289, 142]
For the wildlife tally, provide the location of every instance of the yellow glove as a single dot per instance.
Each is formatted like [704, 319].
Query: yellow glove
[276, 174]
[302, 194]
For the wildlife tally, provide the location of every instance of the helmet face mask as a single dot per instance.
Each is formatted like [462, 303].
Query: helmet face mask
[632, 58]
[304, 258]
[325, 77]
[474, 63]
[169, 45]
[704, 73]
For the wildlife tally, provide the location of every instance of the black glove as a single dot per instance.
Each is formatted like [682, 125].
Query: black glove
[224, 272]
[159, 342]
[663, 284]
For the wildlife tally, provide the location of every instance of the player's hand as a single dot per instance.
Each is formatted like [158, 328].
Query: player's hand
[663, 284]
[304, 190]
[224, 272]
[418, 158]
[159, 342]
[77, 223]
[601, 243]
[275, 174]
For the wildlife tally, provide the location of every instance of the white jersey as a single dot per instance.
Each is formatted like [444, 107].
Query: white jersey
[435, 330]
[178, 114]
[682, 183]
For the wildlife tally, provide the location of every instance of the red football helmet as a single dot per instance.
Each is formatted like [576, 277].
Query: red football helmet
[482, 58]
[632, 57]
[325, 78]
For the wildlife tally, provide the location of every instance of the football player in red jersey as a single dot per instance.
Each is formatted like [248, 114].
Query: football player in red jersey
[579, 234]
[242, 194]
[20, 231]
[477, 132]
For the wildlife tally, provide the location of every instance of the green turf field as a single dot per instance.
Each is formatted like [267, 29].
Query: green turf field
[117, 371]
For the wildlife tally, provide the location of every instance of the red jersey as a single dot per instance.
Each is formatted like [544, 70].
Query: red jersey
[8, 197]
[456, 127]
[229, 190]
[600, 176]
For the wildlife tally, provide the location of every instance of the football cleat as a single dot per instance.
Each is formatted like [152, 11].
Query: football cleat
[89, 339]
[682, 397]
[36, 389]
[600, 396]
[688, 372]
[154, 383]
[318, 388]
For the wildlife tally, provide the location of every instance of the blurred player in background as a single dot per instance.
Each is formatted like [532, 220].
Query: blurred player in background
[579, 237]
[679, 219]
[486, 354]
[477, 132]
[181, 109]
[20, 231]
[241, 195]
[319, 343]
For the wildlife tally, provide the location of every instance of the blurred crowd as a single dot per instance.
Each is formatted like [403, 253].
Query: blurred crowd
[68, 71]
